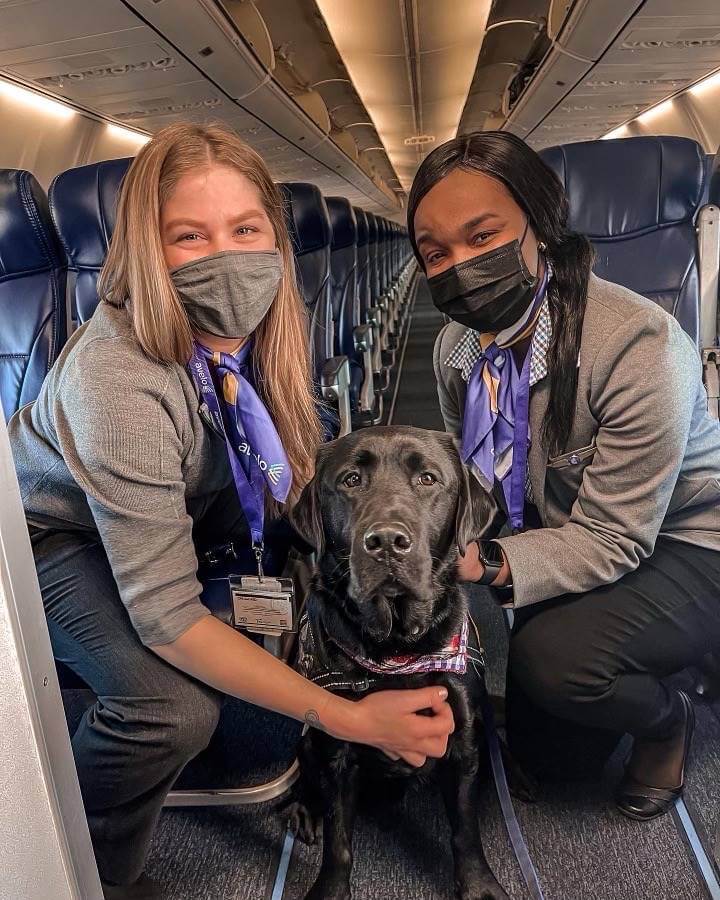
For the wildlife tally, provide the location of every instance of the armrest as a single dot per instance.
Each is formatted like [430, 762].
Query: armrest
[335, 384]
[363, 338]
[335, 372]
[708, 229]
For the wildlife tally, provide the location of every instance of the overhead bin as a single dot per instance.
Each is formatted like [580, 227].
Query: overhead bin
[147, 64]
[196, 26]
[579, 39]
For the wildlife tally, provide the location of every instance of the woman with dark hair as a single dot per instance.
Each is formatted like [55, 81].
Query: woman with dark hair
[580, 404]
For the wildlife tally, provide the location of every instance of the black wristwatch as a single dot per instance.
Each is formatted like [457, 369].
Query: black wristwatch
[491, 556]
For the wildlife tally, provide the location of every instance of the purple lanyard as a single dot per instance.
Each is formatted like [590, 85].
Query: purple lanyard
[518, 472]
[250, 490]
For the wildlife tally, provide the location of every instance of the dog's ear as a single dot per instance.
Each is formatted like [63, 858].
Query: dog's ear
[306, 516]
[475, 509]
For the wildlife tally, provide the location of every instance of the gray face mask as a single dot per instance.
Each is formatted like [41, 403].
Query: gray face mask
[229, 293]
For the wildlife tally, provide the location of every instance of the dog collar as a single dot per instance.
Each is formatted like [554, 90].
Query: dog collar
[452, 658]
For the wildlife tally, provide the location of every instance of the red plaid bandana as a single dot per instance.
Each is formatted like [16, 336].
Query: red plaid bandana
[452, 658]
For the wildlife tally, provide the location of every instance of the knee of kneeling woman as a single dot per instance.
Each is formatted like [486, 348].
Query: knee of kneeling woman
[179, 724]
[192, 720]
[556, 682]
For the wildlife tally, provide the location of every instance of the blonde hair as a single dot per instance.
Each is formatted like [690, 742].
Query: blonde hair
[136, 275]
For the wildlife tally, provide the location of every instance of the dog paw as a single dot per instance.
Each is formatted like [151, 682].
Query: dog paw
[521, 785]
[491, 892]
[484, 889]
[323, 890]
[303, 824]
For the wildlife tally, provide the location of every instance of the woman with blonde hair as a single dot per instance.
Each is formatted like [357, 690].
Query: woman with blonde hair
[180, 416]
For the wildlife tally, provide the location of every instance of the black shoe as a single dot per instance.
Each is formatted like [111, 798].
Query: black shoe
[142, 889]
[644, 802]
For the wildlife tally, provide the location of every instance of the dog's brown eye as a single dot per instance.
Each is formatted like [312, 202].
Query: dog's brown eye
[427, 478]
[352, 479]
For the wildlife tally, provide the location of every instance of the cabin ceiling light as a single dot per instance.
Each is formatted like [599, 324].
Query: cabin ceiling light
[708, 83]
[615, 133]
[712, 81]
[654, 111]
[412, 65]
[36, 101]
[127, 134]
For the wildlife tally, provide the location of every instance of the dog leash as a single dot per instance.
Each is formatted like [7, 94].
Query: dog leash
[522, 855]
[511, 823]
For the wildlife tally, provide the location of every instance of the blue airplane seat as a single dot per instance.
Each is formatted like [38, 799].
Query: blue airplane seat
[708, 175]
[382, 253]
[307, 219]
[374, 255]
[343, 278]
[637, 199]
[33, 275]
[363, 262]
[83, 204]
[308, 222]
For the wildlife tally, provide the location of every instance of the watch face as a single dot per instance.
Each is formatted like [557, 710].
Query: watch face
[491, 553]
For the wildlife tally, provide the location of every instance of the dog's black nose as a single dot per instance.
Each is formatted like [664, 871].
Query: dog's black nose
[387, 537]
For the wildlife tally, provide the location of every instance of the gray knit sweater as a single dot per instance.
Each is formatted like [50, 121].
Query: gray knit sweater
[114, 444]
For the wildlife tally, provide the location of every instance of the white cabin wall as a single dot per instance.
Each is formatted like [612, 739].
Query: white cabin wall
[46, 138]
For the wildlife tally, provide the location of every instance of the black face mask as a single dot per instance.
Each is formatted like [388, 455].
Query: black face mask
[488, 292]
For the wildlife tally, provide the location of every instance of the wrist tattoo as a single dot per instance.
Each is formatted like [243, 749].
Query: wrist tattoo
[312, 719]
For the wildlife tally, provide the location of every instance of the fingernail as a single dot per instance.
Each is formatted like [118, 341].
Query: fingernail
[443, 693]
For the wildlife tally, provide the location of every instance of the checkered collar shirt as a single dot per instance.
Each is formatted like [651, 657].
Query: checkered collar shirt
[468, 351]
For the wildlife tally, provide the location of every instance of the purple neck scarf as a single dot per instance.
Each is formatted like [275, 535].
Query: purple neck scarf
[257, 457]
[496, 428]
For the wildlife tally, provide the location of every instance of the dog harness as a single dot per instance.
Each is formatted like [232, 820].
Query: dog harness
[451, 658]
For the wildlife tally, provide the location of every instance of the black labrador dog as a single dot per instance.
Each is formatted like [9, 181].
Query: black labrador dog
[386, 512]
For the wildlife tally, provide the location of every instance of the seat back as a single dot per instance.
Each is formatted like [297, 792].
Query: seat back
[709, 168]
[343, 273]
[83, 203]
[382, 253]
[33, 271]
[374, 272]
[306, 216]
[363, 263]
[637, 199]
[388, 253]
[394, 253]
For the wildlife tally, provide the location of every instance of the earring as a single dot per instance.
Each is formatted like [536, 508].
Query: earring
[542, 246]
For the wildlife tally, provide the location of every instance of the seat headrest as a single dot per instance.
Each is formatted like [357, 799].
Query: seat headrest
[342, 222]
[362, 226]
[306, 216]
[27, 235]
[712, 173]
[372, 227]
[629, 185]
[83, 203]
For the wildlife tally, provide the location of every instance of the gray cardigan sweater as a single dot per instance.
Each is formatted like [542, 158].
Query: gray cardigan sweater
[643, 457]
[115, 446]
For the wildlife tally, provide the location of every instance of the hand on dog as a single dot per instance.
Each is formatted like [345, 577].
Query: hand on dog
[390, 721]
[469, 566]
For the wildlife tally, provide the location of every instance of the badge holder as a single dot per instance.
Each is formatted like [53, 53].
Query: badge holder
[261, 604]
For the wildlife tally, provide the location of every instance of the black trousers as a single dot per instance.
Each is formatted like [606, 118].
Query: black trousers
[149, 719]
[585, 669]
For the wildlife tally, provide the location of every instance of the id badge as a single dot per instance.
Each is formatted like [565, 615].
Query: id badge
[263, 605]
